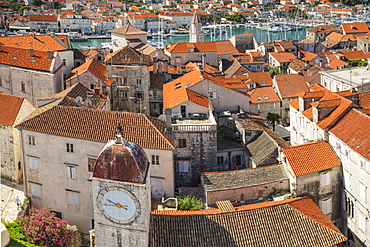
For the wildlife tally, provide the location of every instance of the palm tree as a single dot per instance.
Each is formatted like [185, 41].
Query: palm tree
[273, 118]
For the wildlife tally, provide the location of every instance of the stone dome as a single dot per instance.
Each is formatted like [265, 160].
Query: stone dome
[121, 160]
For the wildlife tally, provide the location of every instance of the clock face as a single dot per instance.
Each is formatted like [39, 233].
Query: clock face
[118, 205]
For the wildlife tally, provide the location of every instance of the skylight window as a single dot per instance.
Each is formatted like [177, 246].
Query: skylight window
[266, 97]
[33, 60]
[263, 82]
[17, 44]
[176, 84]
[178, 87]
[15, 58]
[259, 98]
[31, 43]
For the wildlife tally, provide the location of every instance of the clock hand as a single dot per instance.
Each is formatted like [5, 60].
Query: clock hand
[118, 205]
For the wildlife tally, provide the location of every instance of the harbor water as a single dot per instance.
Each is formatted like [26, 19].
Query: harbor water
[214, 34]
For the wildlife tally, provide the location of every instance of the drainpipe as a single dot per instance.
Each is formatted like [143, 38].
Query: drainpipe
[23, 165]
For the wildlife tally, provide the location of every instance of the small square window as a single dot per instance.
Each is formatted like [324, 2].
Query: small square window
[73, 198]
[90, 164]
[183, 166]
[220, 160]
[35, 189]
[71, 171]
[182, 143]
[23, 86]
[155, 159]
[69, 147]
[31, 140]
[138, 81]
[64, 62]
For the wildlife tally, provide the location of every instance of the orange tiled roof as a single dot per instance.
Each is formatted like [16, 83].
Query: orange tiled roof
[43, 18]
[38, 42]
[294, 103]
[9, 108]
[197, 98]
[21, 58]
[310, 157]
[94, 67]
[262, 78]
[263, 95]
[283, 57]
[175, 92]
[221, 47]
[242, 227]
[359, 27]
[99, 125]
[355, 55]
[290, 85]
[354, 130]
[128, 30]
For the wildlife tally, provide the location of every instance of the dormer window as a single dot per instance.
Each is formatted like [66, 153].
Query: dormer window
[263, 82]
[259, 98]
[266, 97]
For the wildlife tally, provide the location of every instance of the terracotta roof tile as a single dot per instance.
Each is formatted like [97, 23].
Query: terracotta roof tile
[99, 125]
[128, 30]
[300, 217]
[68, 97]
[311, 157]
[43, 18]
[19, 57]
[9, 108]
[262, 78]
[290, 85]
[38, 42]
[221, 47]
[94, 67]
[294, 103]
[354, 130]
[197, 98]
[360, 27]
[283, 57]
[263, 95]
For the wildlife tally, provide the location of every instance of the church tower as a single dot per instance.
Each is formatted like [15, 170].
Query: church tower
[196, 30]
[121, 189]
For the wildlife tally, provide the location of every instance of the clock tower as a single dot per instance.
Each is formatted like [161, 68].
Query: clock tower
[121, 190]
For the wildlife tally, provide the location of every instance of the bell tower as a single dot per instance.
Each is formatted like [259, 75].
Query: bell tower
[121, 190]
[196, 30]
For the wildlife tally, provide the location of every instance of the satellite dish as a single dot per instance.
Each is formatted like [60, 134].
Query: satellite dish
[88, 102]
[79, 99]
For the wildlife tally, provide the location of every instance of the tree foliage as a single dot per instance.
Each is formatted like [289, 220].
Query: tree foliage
[16, 234]
[42, 227]
[362, 63]
[237, 17]
[189, 203]
[273, 118]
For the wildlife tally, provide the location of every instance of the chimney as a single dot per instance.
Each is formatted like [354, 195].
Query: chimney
[33, 35]
[97, 91]
[50, 54]
[165, 62]
[31, 51]
[203, 61]
[155, 65]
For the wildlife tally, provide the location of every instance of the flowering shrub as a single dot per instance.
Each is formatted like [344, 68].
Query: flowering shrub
[41, 227]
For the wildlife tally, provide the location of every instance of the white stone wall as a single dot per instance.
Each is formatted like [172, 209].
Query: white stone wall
[226, 99]
[303, 130]
[263, 109]
[356, 171]
[119, 40]
[67, 55]
[37, 84]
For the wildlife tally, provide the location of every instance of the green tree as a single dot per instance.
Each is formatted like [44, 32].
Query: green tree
[273, 118]
[189, 203]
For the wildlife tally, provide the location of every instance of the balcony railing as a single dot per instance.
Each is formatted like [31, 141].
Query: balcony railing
[194, 127]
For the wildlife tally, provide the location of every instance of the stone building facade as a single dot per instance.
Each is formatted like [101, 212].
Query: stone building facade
[130, 75]
[13, 110]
